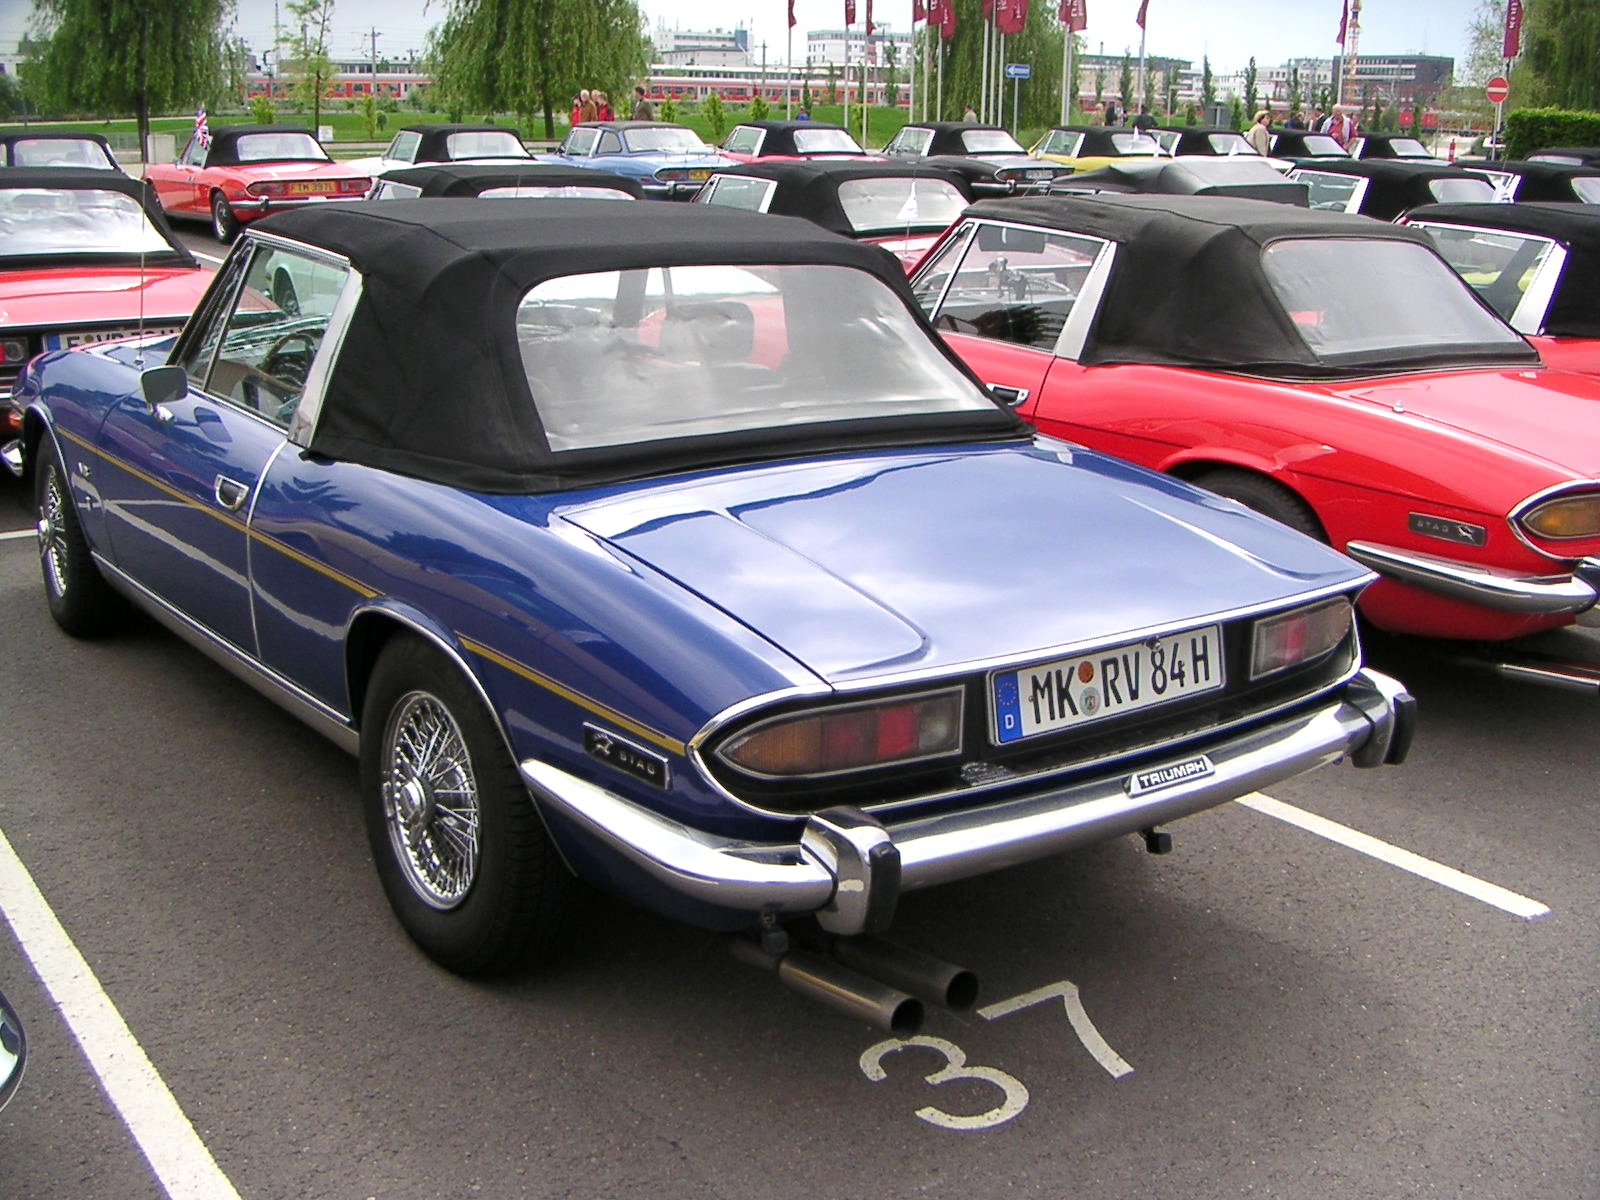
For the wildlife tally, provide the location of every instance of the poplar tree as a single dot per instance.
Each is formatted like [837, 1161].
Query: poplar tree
[132, 56]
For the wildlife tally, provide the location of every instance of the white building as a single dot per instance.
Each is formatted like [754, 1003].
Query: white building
[702, 48]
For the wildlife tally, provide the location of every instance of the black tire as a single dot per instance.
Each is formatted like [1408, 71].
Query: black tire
[483, 907]
[224, 225]
[80, 600]
[1265, 496]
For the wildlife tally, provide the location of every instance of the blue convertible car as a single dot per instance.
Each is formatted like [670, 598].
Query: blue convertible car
[681, 558]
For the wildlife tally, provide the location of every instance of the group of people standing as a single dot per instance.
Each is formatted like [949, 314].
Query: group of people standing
[1338, 125]
[595, 105]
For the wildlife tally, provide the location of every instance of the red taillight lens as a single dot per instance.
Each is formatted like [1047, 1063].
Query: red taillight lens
[355, 187]
[1285, 641]
[267, 187]
[848, 739]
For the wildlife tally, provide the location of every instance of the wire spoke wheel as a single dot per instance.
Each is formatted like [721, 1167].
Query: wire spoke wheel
[430, 800]
[51, 527]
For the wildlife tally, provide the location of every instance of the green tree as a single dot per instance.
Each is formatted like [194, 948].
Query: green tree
[1294, 90]
[668, 110]
[261, 110]
[1125, 96]
[1562, 41]
[891, 75]
[714, 115]
[307, 47]
[1208, 84]
[1172, 91]
[1251, 105]
[830, 84]
[530, 56]
[370, 115]
[131, 56]
[759, 109]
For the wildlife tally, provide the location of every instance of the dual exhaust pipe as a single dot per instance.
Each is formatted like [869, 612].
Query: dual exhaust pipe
[867, 977]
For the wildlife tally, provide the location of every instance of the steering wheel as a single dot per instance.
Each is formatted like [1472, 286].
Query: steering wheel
[290, 366]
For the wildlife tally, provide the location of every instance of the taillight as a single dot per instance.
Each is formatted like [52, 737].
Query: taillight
[355, 187]
[1292, 638]
[267, 187]
[850, 738]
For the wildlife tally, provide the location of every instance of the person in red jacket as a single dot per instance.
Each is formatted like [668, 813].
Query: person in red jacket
[602, 107]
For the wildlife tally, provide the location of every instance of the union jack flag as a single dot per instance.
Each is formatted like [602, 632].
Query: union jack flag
[202, 131]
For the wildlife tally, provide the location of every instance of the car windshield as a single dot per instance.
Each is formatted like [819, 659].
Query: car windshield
[1462, 191]
[1587, 188]
[874, 205]
[278, 147]
[990, 141]
[1408, 148]
[617, 358]
[825, 141]
[1354, 299]
[1499, 264]
[656, 138]
[498, 143]
[59, 152]
[35, 221]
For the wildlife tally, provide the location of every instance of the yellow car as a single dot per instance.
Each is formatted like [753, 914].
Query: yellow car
[1085, 147]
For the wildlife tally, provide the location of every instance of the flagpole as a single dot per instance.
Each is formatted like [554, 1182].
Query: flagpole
[911, 84]
[983, 76]
[846, 76]
[938, 100]
[1066, 67]
[788, 74]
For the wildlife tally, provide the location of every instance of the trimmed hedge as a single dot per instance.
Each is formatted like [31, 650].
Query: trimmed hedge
[1532, 129]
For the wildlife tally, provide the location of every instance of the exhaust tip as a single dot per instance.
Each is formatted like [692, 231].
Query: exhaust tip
[907, 1017]
[962, 991]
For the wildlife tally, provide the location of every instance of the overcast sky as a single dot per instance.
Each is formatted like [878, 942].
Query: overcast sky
[1230, 31]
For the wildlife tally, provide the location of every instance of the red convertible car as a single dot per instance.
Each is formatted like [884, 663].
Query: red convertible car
[1328, 370]
[85, 256]
[241, 172]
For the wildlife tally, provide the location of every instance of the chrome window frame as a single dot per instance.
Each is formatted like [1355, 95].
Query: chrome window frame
[707, 194]
[754, 148]
[1528, 316]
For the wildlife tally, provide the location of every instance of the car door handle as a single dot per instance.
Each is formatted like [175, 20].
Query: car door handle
[230, 493]
[1007, 394]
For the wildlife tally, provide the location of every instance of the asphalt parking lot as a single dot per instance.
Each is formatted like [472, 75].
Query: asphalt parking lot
[1265, 1012]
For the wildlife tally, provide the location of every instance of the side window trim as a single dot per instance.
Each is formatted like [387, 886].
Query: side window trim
[218, 305]
[961, 243]
[1070, 342]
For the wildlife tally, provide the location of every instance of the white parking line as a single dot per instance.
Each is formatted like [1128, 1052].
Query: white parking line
[1468, 885]
[16, 535]
[164, 1135]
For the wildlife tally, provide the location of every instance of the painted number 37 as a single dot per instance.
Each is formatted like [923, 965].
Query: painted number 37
[1013, 1094]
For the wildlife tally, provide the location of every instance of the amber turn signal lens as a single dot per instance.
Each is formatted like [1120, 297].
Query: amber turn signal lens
[1565, 517]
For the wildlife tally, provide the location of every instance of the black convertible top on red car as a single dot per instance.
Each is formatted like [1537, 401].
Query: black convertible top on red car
[76, 179]
[1245, 177]
[1574, 310]
[1189, 287]
[437, 320]
[224, 151]
[810, 188]
[470, 179]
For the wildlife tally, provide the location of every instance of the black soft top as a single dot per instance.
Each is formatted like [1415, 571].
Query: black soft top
[1383, 143]
[1396, 183]
[76, 179]
[1195, 139]
[1247, 177]
[810, 188]
[1292, 143]
[224, 151]
[435, 143]
[1549, 181]
[430, 381]
[780, 135]
[1098, 141]
[1188, 288]
[1575, 308]
[469, 179]
[1589, 155]
[947, 135]
[44, 133]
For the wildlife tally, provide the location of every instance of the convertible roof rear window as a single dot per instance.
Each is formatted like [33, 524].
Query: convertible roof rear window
[484, 143]
[626, 357]
[825, 141]
[664, 137]
[990, 141]
[278, 147]
[877, 205]
[1351, 299]
[37, 222]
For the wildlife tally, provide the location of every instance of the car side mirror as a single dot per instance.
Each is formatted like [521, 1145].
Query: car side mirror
[13, 1051]
[163, 385]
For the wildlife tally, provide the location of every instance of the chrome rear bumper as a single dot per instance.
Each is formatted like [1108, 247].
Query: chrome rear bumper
[1537, 595]
[848, 868]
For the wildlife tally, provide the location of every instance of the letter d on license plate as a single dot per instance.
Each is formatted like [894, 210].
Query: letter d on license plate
[1067, 692]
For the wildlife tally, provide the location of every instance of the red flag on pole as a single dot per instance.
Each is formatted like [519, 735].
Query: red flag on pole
[869, 19]
[1074, 14]
[1144, 4]
[943, 14]
[919, 11]
[1513, 40]
[1010, 16]
[849, 13]
[988, 9]
[1344, 23]
[791, 14]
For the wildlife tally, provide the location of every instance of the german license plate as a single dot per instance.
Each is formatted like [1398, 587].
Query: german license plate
[312, 187]
[700, 173]
[1068, 692]
[66, 339]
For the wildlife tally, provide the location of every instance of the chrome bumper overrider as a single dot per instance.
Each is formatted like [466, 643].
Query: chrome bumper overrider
[848, 869]
[1536, 594]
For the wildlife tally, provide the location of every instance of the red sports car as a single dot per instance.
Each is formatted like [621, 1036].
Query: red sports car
[1328, 370]
[241, 172]
[85, 256]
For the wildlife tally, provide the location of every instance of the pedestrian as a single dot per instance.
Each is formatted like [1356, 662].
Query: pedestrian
[1144, 122]
[1111, 114]
[1340, 127]
[577, 109]
[643, 110]
[1259, 137]
[602, 107]
[1297, 120]
[967, 114]
[586, 106]
[1319, 120]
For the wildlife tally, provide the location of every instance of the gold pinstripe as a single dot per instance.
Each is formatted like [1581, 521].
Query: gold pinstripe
[487, 652]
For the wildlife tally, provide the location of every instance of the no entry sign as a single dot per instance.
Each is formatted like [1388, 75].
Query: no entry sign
[1498, 89]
